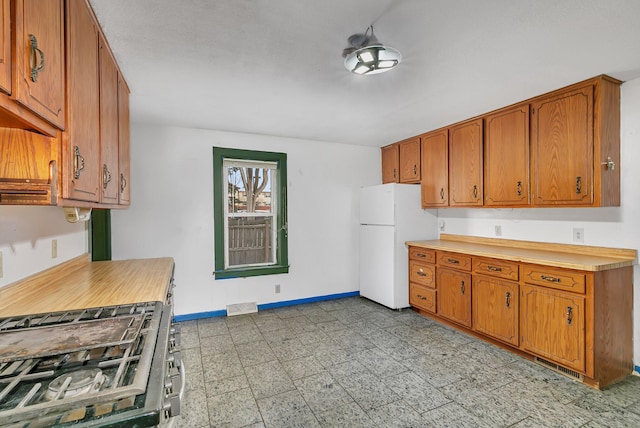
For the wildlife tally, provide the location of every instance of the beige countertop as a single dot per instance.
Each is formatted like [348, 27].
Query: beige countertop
[80, 283]
[579, 257]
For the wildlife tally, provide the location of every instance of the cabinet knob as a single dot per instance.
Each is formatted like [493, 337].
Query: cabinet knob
[34, 55]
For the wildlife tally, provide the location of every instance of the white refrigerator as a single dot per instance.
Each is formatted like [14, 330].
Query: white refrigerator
[390, 215]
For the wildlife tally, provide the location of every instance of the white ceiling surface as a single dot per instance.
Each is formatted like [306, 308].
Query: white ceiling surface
[275, 67]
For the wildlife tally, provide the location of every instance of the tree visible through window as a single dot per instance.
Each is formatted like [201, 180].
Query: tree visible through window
[249, 212]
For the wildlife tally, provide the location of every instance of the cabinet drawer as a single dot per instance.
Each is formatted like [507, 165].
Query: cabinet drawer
[555, 278]
[422, 297]
[498, 268]
[422, 254]
[422, 274]
[454, 260]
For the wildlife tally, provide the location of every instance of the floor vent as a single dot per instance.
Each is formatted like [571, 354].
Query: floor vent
[562, 370]
[242, 308]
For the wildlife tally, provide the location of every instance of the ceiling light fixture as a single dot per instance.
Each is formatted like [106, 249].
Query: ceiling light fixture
[367, 55]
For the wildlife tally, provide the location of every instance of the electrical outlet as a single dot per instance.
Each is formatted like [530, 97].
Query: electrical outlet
[54, 248]
[1, 273]
[498, 230]
[277, 288]
[578, 234]
[441, 224]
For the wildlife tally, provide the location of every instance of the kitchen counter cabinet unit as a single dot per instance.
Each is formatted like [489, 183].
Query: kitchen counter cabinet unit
[80, 283]
[567, 306]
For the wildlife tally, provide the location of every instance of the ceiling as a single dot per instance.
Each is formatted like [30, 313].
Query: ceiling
[275, 67]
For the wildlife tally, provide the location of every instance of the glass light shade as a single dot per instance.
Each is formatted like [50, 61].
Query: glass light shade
[372, 59]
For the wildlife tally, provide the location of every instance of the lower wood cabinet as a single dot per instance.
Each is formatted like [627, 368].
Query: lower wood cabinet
[553, 325]
[454, 295]
[495, 307]
[578, 321]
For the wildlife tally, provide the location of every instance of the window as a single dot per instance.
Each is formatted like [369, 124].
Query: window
[250, 212]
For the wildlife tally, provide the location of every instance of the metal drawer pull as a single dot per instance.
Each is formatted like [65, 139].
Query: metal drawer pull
[78, 162]
[415, 169]
[106, 176]
[578, 185]
[33, 58]
[421, 273]
[508, 299]
[462, 287]
[123, 183]
[394, 173]
[442, 193]
[454, 261]
[550, 278]
[421, 297]
[494, 269]
[475, 191]
[569, 315]
[421, 255]
[519, 188]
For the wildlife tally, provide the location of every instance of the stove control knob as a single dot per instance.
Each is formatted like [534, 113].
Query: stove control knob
[173, 383]
[174, 359]
[171, 405]
[174, 337]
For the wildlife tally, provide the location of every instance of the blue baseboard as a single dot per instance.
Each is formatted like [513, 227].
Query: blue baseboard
[637, 369]
[223, 312]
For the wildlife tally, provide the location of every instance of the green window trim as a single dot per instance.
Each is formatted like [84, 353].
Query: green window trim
[282, 260]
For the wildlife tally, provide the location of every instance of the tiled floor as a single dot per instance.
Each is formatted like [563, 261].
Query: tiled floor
[353, 363]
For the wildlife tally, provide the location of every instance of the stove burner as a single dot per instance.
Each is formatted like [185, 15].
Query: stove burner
[76, 383]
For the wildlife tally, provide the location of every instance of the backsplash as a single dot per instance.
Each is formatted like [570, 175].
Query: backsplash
[27, 236]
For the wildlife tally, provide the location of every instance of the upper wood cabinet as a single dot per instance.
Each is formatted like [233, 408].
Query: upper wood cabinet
[5, 46]
[465, 164]
[39, 81]
[390, 164]
[109, 126]
[575, 145]
[506, 157]
[435, 169]
[409, 160]
[123, 143]
[82, 171]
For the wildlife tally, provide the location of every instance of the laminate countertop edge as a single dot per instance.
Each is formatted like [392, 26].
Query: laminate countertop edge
[573, 257]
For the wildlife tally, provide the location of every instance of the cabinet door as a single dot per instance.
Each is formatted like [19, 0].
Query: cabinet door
[39, 69]
[390, 163]
[562, 148]
[108, 125]
[506, 157]
[410, 161]
[435, 169]
[124, 142]
[454, 295]
[82, 140]
[5, 47]
[465, 164]
[495, 308]
[553, 325]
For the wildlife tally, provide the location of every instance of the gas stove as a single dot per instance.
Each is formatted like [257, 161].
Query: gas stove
[98, 367]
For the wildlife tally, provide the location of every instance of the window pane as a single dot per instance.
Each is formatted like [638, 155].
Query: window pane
[249, 190]
[250, 240]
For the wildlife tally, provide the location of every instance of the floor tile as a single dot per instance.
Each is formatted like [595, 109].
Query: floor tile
[397, 414]
[193, 410]
[302, 367]
[233, 409]
[255, 353]
[230, 384]
[349, 415]
[287, 410]
[321, 392]
[268, 379]
[368, 390]
[212, 327]
[416, 392]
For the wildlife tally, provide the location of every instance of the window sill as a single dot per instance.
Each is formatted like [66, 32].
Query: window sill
[250, 271]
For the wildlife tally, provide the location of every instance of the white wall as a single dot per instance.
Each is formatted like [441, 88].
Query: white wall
[171, 214]
[606, 227]
[25, 240]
